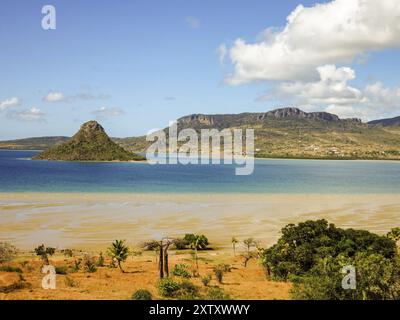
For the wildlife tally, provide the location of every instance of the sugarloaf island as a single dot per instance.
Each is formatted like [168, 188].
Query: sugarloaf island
[90, 143]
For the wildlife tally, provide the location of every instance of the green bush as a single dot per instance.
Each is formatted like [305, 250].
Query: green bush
[206, 280]
[10, 269]
[61, 270]
[301, 247]
[217, 294]
[168, 287]
[142, 294]
[219, 271]
[181, 270]
[89, 264]
[187, 291]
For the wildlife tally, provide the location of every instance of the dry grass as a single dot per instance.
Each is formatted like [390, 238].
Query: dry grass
[141, 273]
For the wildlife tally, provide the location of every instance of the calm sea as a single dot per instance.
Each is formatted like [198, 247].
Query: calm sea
[20, 174]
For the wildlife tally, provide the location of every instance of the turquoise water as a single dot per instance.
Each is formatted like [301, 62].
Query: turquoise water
[20, 174]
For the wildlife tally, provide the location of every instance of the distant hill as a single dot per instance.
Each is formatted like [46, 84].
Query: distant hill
[90, 143]
[386, 122]
[38, 143]
[291, 133]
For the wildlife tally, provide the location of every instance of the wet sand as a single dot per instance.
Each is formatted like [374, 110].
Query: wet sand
[92, 221]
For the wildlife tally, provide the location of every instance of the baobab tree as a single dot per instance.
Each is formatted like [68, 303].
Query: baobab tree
[161, 247]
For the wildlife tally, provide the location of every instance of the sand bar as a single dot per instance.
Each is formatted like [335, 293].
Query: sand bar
[92, 220]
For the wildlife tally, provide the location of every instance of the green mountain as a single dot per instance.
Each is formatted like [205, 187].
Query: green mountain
[293, 133]
[90, 143]
[282, 133]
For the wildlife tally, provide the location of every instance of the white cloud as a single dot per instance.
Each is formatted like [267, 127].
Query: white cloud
[54, 97]
[32, 114]
[333, 94]
[222, 51]
[192, 22]
[8, 103]
[331, 89]
[331, 33]
[105, 112]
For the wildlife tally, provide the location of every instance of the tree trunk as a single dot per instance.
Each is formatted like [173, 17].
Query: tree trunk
[120, 267]
[166, 268]
[161, 262]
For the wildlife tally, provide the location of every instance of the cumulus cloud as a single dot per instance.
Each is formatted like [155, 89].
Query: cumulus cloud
[32, 114]
[331, 89]
[332, 93]
[9, 103]
[336, 32]
[192, 22]
[105, 112]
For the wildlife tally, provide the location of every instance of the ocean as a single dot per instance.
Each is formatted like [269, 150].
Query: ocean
[18, 173]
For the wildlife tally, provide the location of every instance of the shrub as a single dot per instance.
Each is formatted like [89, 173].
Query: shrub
[219, 273]
[181, 270]
[10, 269]
[77, 265]
[142, 294]
[168, 287]
[7, 252]
[44, 253]
[89, 264]
[69, 282]
[217, 294]
[68, 253]
[100, 260]
[187, 291]
[61, 270]
[206, 280]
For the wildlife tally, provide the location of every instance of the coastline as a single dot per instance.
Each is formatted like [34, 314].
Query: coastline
[92, 220]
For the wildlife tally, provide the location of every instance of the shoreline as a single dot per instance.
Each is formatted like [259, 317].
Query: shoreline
[92, 220]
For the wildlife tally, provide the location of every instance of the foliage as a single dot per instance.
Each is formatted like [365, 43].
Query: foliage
[10, 269]
[217, 294]
[168, 287]
[61, 269]
[301, 247]
[100, 260]
[199, 242]
[377, 278]
[394, 234]
[206, 280]
[118, 252]
[142, 294]
[68, 253]
[44, 252]
[219, 272]
[181, 270]
[187, 291]
[7, 252]
[89, 264]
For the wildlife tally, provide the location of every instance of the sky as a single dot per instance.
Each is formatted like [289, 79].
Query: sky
[136, 65]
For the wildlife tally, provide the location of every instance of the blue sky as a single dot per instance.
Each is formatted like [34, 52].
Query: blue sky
[135, 65]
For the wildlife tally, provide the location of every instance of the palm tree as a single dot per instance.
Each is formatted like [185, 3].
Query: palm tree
[234, 242]
[119, 252]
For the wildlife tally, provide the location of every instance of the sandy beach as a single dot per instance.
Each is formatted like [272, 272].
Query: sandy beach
[92, 220]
